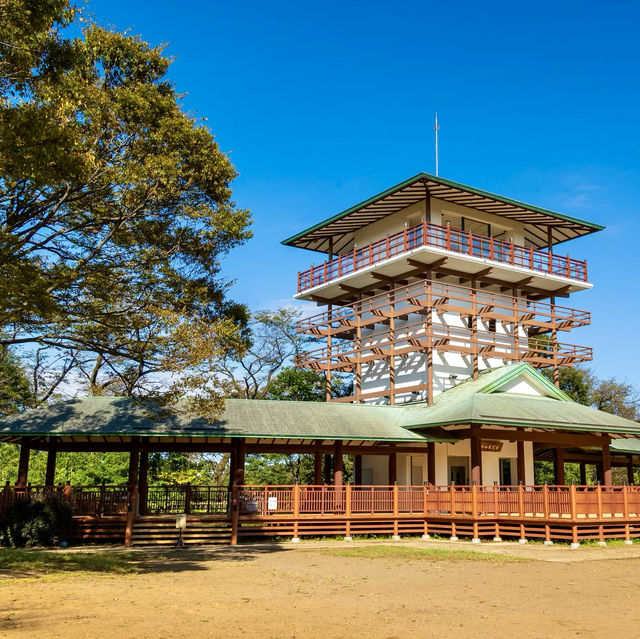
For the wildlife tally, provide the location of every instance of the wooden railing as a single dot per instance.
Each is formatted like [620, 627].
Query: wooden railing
[571, 503]
[412, 297]
[427, 234]
[415, 337]
[510, 502]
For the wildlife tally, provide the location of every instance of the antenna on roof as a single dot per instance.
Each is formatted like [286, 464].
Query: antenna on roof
[436, 127]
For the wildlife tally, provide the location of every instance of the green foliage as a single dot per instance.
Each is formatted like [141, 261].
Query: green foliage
[36, 522]
[15, 389]
[115, 210]
[298, 384]
[182, 468]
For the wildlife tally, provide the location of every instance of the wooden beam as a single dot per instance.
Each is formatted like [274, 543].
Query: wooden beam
[23, 463]
[565, 438]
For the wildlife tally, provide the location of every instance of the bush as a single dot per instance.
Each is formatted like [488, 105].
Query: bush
[36, 522]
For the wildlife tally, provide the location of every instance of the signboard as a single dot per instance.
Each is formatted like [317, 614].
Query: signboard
[272, 503]
[251, 506]
[181, 521]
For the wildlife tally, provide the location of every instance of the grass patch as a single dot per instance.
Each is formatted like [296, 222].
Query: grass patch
[15, 562]
[430, 554]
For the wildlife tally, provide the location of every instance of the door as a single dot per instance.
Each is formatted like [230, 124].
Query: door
[458, 471]
[507, 472]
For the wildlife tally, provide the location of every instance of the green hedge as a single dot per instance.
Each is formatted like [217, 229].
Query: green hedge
[36, 522]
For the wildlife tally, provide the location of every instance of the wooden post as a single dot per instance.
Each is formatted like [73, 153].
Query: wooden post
[357, 464]
[235, 514]
[131, 515]
[143, 482]
[23, 464]
[327, 469]
[431, 463]
[574, 507]
[347, 512]
[474, 512]
[396, 511]
[559, 466]
[239, 470]
[630, 475]
[583, 474]
[606, 465]
[296, 512]
[50, 473]
[187, 499]
[520, 462]
[317, 468]
[393, 468]
[476, 456]
[337, 463]
[134, 460]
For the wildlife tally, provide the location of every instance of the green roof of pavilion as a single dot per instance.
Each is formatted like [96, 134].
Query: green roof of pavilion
[472, 401]
[250, 418]
[479, 401]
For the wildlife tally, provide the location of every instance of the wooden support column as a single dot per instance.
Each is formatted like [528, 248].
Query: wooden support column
[392, 347]
[327, 372]
[474, 330]
[606, 465]
[583, 474]
[357, 468]
[50, 473]
[516, 324]
[317, 467]
[393, 467]
[476, 456]
[358, 367]
[238, 476]
[327, 469]
[520, 463]
[337, 463]
[429, 332]
[23, 463]
[554, 342]
[143, 481]
[134, 461]
[630, 475]
[558, 464]
[431, 463]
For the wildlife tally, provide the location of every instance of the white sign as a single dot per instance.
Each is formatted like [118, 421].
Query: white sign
[272, 503]
[181, 521]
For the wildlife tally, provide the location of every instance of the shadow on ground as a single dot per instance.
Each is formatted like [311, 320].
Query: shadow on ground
[31, 563]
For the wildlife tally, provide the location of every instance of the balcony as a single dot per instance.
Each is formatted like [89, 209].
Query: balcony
[464, 247]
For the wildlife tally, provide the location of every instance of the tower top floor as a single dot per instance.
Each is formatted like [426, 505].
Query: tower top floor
[428, 223]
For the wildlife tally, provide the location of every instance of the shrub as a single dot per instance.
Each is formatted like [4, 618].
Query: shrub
[36, 522]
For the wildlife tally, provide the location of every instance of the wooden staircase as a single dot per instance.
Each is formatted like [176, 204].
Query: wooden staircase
[98, 530]
[161, 531]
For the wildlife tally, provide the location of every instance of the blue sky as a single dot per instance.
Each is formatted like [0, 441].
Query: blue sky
[321, 105]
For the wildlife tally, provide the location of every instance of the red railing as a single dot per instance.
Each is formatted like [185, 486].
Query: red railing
[450, 239]
[527, 312]
[412, 337]
[487, 501]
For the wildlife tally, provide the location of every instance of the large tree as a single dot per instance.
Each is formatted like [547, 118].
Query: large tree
[115, 209]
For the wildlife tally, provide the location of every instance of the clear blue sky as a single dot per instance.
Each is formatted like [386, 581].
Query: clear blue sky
[322, 105]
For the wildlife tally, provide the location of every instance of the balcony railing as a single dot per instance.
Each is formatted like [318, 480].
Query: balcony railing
[450, 239]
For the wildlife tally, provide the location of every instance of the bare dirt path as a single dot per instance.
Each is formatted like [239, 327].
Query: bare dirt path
[308, 590]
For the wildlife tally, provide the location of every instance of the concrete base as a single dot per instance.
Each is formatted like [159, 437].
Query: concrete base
[295, 540]
[475, 540]
[395, 537]
[628, 542]
[547, 543]
[575, 546]
[348, 538]
[453, 539]
[426, 537]
[522, 541]
[497, 539]
[602, 544]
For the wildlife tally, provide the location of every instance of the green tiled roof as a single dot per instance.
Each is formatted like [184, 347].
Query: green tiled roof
[476, 401]
[472, 401]
[117, 416]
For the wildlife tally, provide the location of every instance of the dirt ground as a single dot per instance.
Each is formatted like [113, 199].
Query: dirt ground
[306, 590]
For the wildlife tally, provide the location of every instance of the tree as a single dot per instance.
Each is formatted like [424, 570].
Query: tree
[298, 384]
[15, 389]
[115, 210]
[576, 382]
[272, 342]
